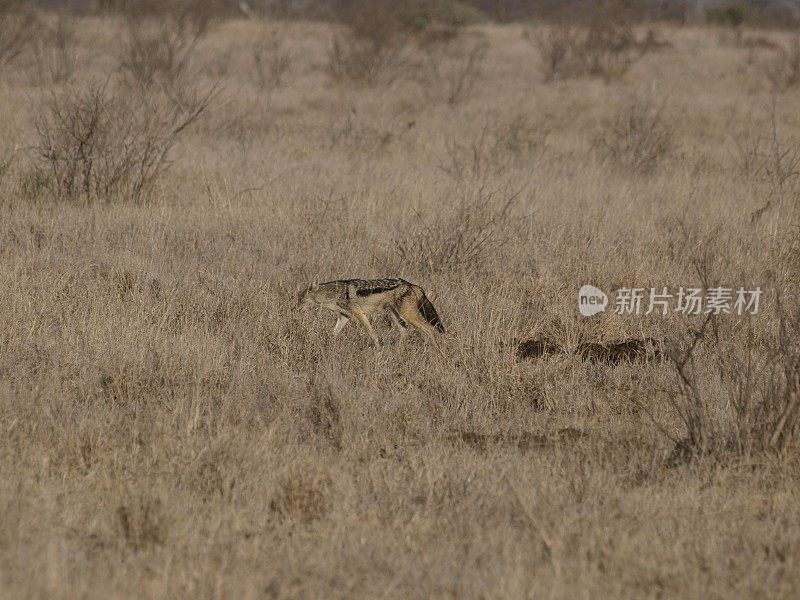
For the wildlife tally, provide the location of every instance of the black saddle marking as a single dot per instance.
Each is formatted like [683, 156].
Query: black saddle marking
[377, 290]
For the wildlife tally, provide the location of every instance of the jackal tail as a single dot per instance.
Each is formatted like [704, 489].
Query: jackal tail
[429, 313]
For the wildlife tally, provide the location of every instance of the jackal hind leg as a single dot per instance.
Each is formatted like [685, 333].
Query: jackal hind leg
[399, 322]
[410, 313]
[362, 318]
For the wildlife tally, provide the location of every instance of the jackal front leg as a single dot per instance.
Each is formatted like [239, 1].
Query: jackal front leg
[340, 323]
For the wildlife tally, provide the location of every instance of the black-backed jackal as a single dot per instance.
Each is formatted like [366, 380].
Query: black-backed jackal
[405, 303]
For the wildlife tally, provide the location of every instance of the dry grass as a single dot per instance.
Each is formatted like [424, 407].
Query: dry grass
[170, 428]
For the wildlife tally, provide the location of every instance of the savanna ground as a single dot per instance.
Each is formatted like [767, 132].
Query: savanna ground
[170, 427]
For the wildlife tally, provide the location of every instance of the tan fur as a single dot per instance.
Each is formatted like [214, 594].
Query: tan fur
[404, 302]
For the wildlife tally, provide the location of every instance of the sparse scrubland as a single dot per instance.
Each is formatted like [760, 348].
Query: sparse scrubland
[170, 427]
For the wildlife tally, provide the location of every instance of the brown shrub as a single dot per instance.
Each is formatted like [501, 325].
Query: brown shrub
[159, 48]
[606, 47]
[271, 61]
[496, 147]
[17, 28]
[610, 47]
[55, 51]
[371, 46]
[464, 236]
[770, 156]
[452, 69]
[761, 387]
[559, 49]
[96, 144]
[784, 69]
[637, 137]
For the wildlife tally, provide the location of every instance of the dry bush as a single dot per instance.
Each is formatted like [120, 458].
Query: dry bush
[559, 49]
[271, 61]
[522, 138]
[606, 47]
[611, 48]
[452, 69]
[96, 144]
[55, 51]
[496, 147]
[159, 48]
[767, 156]
[368, 137]
[371, 46]
[784, 70]
[637, 137]
[17, 29]
[464, 236]
[477, 158]
[365, 61]
[761, 388]
[376, 43]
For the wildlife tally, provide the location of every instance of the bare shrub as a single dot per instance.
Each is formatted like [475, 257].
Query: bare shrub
[767, 156]
[17, 28]
[271, 61]
[452, 69]
[99, 145]
[761, 384]
[476, 158]
[522, 138]
[371, 47]
[784, 70]
[465, 236]
[55, 51]
[368, 137]
[159, 48]
[750, 150]
[606, 47]
[559, 49]
[637, 137]
[495, 148]
[611, 48]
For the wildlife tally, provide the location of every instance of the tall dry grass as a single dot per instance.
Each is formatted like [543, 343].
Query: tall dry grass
[171, 428]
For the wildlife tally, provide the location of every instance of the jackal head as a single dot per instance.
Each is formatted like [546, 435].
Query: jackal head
[306, 297]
